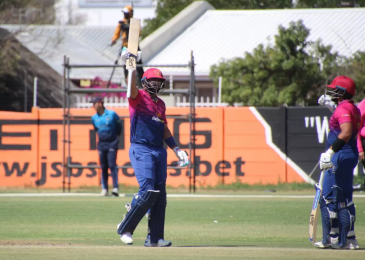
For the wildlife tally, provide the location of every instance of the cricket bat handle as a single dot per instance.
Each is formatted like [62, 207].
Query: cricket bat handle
[320, 183]
[130, 75]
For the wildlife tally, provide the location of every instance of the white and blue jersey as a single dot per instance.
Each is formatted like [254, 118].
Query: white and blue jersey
[109, 127]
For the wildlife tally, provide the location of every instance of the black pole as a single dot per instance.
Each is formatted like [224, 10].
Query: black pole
[68, 128]
[115, 63]
[192, 166]
[25, 91]
[193, 117]
[190, 127]
[64, 169]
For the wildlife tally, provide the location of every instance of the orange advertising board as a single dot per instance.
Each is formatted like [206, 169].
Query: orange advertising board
[231, 145]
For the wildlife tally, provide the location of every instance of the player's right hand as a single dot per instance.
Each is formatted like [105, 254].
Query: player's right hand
[112, 43]
[182, 156]
[325, 160]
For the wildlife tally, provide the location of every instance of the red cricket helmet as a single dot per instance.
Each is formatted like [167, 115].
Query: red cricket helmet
[152, 73]
[153, 87]
[343, 83]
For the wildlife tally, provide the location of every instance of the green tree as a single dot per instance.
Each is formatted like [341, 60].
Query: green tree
[354, 67]
[167, 9]
[290, 72]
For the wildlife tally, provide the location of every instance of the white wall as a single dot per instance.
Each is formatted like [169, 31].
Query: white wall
[96, 16]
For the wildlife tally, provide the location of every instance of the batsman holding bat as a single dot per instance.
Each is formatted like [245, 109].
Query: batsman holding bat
[122, 29]
[338, 163]
[149, 158]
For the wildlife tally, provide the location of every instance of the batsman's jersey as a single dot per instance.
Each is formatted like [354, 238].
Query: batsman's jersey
[147, 119]
[346, 112]
[108, 127]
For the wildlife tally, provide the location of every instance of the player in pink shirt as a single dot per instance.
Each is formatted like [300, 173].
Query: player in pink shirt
[338, 163]
[148, 133]
[361, 136]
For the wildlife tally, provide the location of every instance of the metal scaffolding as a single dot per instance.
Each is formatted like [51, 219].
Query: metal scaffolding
[67, 117]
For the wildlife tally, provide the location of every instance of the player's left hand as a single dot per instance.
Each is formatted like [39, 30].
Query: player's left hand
[325, 160]
[182, 156]
[126, 54]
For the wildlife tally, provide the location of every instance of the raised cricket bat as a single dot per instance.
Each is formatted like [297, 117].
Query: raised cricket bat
[133, 37]
[313, 219]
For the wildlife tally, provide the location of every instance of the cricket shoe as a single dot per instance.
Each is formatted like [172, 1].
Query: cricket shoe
[115, 192]
[104, 192]
[353, 244]
[127, 238]
[321, 245]
[160, 243]
[350, 244]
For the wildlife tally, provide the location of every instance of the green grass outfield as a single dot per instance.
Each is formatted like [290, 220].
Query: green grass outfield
[84, 227]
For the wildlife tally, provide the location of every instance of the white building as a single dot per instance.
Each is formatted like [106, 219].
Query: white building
[101, 12]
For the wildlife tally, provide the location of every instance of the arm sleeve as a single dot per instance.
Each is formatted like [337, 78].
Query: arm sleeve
[134, 102]
[116, 33]
[118, 123]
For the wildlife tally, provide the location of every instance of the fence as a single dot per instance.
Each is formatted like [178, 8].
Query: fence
[67, 164]
[233, 144]
[84, 101]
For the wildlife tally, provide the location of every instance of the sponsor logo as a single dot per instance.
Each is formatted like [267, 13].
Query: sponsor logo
[158, 73]
[322, 126]
[155, 118]
[311, 221]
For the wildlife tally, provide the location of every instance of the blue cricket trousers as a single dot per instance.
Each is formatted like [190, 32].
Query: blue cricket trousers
[149, 164]
[108, 160]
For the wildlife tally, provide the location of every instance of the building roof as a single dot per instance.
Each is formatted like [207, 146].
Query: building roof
[220, 35]
[82, 45]
[212, 35]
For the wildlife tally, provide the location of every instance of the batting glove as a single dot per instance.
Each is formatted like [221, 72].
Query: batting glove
[126, 54]
[326, 101]
[325, 160]
[182, 156]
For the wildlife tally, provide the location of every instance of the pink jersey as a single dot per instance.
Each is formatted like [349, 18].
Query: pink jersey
[361, 107]
[346, 112]
[147, 119]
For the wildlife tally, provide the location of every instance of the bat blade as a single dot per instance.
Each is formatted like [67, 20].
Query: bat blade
[133, 38]
[313, 219]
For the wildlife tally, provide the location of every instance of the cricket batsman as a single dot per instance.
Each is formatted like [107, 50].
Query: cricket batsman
[338, 163]
[148, 133]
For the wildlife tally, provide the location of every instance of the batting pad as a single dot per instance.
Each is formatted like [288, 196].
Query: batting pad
[134, 216]
[156, 222]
